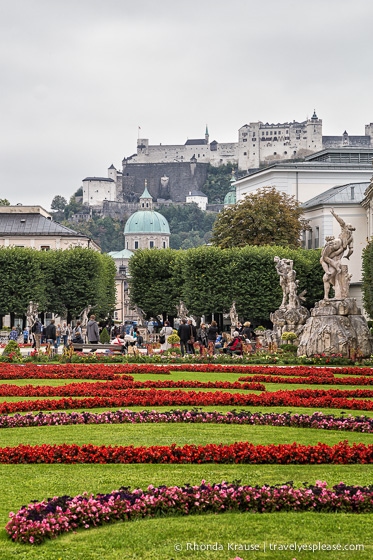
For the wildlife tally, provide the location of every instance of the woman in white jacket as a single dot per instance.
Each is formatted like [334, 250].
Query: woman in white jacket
[166, 330]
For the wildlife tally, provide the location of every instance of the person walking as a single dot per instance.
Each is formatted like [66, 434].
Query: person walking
[36, 330]
[50, 333]
[65, 331]
[202, 338]
[92, 330]
[184, 335]
[166, 331]
[192, 337]
[212, 333]
[25, 335]
[58, 335]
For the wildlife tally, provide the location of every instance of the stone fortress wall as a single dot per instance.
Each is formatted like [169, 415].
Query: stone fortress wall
[172, 171]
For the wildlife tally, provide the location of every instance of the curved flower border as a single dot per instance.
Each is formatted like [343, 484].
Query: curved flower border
[236, 453]
[307, 398]
[38, 521]
[317, 420]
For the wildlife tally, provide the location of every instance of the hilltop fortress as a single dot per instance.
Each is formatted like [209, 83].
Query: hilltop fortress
[175, 171]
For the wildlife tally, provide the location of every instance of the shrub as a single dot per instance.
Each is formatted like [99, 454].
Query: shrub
[289, 336]
[12, 348]
[104, 336]
[173, 339]
[289, 348]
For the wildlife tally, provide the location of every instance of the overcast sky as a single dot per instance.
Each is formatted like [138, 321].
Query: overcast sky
[78, 77]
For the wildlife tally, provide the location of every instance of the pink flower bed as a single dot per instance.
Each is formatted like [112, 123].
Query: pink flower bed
[38, 521]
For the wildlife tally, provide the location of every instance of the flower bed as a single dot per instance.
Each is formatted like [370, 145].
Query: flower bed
[315, 380]
[39, 521]
[71, 371]
[156, 397]
[240, 452]
[112, 388]
[317, 420]
[109, 371]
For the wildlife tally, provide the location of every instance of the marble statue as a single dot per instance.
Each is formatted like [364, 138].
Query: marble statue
[32, 313]
[233, 315]
[336, 325]
[336, 274]
[291, 315]
[84, 316]
[182, 311]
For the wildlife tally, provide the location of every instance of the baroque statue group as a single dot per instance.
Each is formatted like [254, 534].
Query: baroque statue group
[335, 325]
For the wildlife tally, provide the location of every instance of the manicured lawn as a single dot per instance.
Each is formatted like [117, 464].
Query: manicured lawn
[181, 434]
[156, 538]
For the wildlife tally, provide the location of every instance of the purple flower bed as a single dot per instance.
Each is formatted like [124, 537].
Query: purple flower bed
[48, 519]
[317, 420]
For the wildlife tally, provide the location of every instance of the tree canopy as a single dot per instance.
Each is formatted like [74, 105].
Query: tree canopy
[62, 282]
[59, 203]
[189, 225]
[209, 279]
[218, 182]
[266, 217]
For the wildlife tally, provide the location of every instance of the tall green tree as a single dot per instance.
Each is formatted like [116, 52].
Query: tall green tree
[59, 203]
[62, 282]
[21, 280]
[267, 217]
[152, 285]
[209, 279]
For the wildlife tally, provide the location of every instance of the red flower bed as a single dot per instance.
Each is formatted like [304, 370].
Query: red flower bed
[241, 452]
[315, 380]
[309, 371]
[78, 371]
[153, 397]
[112, 387]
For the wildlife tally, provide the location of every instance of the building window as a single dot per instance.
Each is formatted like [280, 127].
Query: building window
[317, 237]
[244, 140]
[309, 245]
[151, 244]
[164, 244]
[245, 153]
[44, 247]
[136, 244]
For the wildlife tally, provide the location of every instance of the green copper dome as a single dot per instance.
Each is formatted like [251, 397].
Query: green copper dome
[230, 197]
[147, 221]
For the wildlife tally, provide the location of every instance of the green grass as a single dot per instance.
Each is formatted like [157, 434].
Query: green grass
[181, 434]
[155, 539]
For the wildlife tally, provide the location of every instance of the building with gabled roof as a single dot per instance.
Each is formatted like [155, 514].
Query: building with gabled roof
[32, 226]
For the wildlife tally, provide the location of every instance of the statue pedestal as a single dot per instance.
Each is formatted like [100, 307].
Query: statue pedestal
[336, 326]
[288, 319]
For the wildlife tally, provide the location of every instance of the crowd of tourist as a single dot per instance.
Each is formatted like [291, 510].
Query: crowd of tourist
[206, 339]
